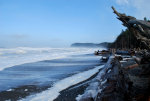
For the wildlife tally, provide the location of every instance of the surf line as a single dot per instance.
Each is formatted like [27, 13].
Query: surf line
[53, 92]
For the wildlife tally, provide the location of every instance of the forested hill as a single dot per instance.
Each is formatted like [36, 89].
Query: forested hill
[127, 40]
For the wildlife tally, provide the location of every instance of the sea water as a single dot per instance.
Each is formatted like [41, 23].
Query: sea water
[56, 68]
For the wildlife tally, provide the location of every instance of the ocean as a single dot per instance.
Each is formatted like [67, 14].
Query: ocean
[39, 74]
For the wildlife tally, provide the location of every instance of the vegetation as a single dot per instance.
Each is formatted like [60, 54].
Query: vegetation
[125, 40]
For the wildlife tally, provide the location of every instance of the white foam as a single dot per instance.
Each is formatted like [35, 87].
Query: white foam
[123, 61]
[95, 87]
[16, 56]
[109, 71]
[53, 92]
[103, 82]
[26, 90]
[9, 90]
[78, 97]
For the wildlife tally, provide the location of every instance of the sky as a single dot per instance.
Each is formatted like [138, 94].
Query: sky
[59, 23]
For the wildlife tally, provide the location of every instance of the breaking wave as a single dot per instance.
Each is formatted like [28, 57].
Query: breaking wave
[16, 56]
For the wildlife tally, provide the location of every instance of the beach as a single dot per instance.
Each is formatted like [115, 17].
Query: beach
[27, 80]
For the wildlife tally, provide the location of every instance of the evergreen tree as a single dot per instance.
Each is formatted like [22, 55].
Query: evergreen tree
[125, 40]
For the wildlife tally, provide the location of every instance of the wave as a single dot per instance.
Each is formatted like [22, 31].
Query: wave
[53, 92]
[16, 56]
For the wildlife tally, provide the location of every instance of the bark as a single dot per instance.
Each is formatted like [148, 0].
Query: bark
[140, 28]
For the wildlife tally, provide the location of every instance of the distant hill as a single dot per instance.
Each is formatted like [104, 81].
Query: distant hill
[125, 40]
[84, 45]
[104, 44]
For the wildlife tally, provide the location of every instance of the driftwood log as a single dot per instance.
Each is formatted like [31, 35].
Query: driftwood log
[140, 28]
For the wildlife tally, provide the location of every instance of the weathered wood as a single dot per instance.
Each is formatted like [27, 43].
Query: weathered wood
[140, 22]
[140, 28]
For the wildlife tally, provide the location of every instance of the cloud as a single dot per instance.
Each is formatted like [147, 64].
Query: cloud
[142, 7]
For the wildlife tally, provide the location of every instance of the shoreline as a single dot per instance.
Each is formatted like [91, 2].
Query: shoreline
[15, 94]
[27, 90]
[123, 80]
[116, 82]
[70, 93]
[23, 91]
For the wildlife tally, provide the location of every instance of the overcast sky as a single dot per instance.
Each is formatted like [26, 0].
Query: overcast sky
[59, 23]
